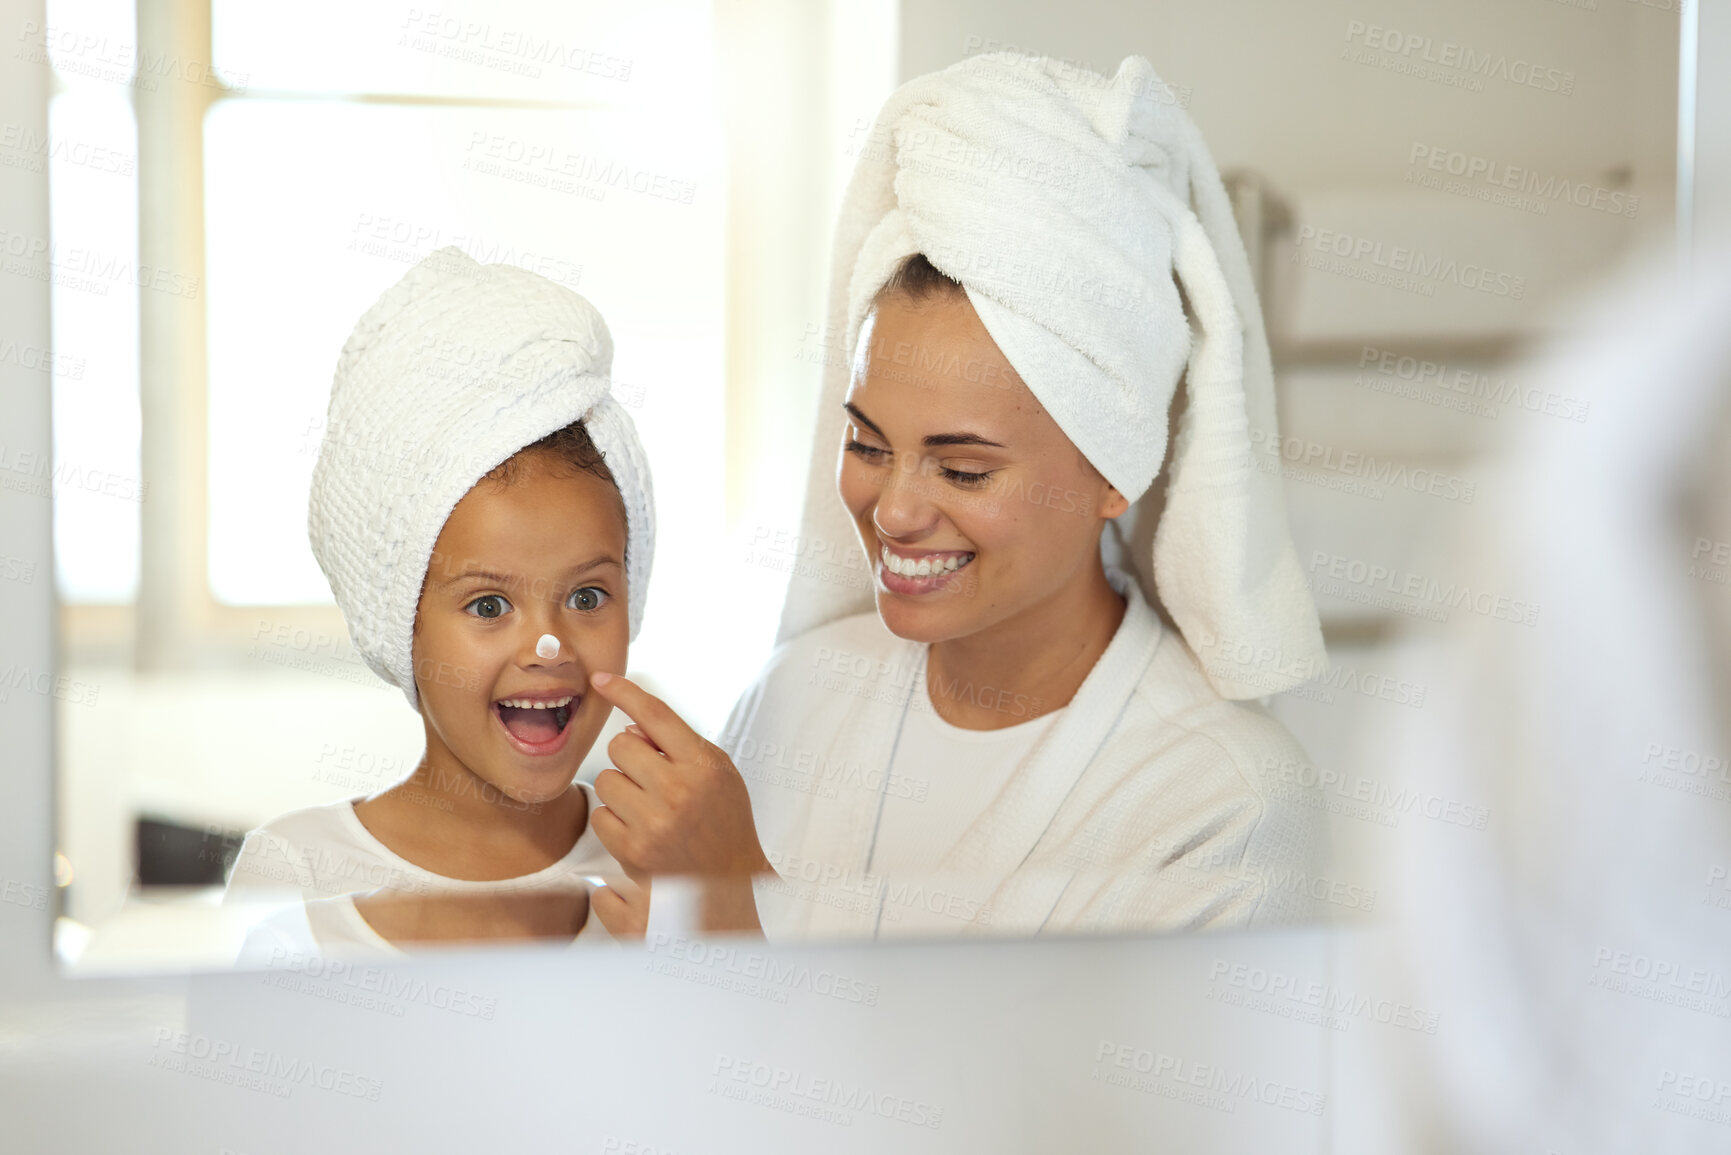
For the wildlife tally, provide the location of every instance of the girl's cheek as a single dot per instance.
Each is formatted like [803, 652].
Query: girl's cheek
[483, 653]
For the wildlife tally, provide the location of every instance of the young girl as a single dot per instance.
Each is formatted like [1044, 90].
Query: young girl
[482, 509]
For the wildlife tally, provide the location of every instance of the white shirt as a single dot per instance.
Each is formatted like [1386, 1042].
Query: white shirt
[311, 929]
[335, 927]
[323, 855]
[942, 779]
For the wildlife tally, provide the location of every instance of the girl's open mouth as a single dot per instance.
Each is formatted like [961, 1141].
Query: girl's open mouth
[536, 725]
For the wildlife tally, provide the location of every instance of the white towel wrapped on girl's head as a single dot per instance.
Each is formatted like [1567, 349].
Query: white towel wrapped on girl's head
[1087, 223]
[454, 369]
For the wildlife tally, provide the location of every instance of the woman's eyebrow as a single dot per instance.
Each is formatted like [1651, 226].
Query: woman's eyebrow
[935, 439]
[853, 411]
[960, 439]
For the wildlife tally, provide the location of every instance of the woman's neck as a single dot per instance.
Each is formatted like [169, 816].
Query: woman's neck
[1027, 665]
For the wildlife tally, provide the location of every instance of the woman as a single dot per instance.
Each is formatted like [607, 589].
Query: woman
[1001, 733]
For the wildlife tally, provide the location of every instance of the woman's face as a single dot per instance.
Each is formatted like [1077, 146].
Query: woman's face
[542, 553]
[973, 506]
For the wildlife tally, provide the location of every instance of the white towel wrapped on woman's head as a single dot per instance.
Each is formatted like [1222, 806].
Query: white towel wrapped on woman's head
[455, 368]
[1083, 216]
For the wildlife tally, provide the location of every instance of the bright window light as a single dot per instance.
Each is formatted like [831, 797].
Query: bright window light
[91, 153]
[293, 260]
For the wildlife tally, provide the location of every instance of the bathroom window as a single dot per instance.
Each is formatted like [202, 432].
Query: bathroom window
[578, 140]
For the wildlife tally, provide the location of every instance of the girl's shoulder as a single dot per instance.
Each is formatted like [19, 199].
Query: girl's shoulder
[312, 825]
[319, 850]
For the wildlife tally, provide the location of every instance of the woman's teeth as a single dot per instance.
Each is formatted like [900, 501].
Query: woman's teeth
[925, 566]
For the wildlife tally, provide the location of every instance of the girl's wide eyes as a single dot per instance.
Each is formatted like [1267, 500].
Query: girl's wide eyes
[491, 606]
[588, 599]
[488, 606]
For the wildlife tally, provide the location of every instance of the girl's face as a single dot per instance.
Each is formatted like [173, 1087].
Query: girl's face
[973, 506]
[543, 553]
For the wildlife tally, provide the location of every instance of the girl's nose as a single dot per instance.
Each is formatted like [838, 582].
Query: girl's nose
[549, 651]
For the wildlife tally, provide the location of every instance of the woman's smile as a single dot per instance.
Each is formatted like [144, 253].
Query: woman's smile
[905, 571]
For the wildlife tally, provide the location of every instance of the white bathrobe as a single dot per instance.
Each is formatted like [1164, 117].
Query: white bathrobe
[1151, 804]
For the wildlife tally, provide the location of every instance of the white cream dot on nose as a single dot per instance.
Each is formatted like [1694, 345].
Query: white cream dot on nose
[547, 647]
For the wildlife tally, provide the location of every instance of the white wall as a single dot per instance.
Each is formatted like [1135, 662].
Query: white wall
[1713, 120]
[1271, 91]
[26, 632]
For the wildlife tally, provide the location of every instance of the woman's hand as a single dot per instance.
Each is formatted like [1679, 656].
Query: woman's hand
[675, 804]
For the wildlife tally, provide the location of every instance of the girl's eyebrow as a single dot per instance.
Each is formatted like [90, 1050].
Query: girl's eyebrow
[597, 562]
[488, 575]
[932, 441]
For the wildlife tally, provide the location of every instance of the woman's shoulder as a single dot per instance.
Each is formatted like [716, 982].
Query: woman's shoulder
[846, 644]
[1224, 765]
[1175, 702]
[852, 655]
